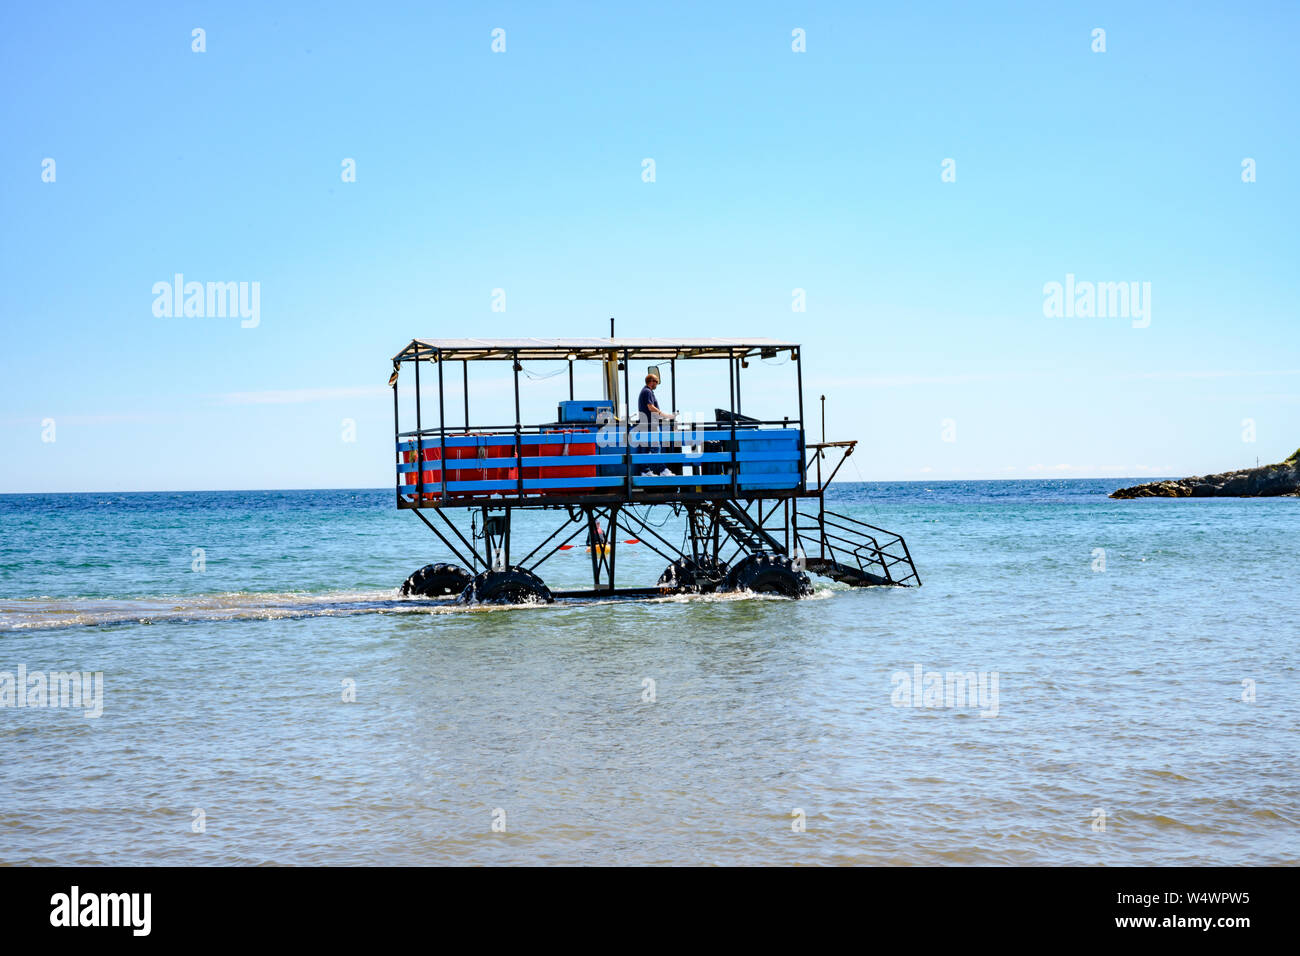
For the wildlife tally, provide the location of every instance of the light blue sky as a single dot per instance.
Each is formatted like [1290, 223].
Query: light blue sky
[775, 170]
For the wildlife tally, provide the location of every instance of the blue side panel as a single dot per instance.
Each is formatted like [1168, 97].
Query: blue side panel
[535, 484]
[552, 460]
[496, 485]
[649, 481]
[768, 459]
[531, 484]
[453, 441]
[677, 458]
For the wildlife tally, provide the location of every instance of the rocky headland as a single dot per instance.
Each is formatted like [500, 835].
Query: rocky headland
[1266, 481]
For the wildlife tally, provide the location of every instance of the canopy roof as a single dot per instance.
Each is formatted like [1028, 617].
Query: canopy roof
[553, 349]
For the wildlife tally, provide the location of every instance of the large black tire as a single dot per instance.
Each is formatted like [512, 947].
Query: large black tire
[513, 585]
[436, 580]
[768, 573]
[685, 576]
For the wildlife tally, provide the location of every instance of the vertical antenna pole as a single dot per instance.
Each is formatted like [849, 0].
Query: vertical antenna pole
[797, 355]
[821, 452]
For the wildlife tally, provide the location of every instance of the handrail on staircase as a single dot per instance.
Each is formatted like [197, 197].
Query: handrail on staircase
[865, 549]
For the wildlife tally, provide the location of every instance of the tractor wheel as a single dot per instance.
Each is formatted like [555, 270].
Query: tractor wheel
[511, 586]
[685, 576]
[436, 580]
[768, 573]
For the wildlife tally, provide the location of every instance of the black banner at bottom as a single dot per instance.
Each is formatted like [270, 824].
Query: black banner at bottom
[336, 905]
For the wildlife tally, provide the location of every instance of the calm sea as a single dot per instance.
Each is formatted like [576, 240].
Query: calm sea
[1132, 691]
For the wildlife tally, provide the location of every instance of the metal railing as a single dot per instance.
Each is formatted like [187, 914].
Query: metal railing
[856, 545]
[624, 447]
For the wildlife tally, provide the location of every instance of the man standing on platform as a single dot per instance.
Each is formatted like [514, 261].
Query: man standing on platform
[650, 415]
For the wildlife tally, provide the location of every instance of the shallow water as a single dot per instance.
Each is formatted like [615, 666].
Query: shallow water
[1119, 690]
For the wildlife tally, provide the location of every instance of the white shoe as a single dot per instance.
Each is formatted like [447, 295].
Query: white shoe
[648, 473]
[667, 473]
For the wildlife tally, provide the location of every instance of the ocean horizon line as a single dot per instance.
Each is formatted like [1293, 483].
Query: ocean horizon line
[839, 482]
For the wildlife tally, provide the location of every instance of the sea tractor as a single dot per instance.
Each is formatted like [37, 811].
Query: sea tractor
[751, 491]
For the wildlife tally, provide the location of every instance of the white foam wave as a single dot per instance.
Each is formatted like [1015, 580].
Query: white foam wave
[27, 614]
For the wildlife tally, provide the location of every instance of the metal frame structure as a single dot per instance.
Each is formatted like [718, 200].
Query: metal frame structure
[736, 501]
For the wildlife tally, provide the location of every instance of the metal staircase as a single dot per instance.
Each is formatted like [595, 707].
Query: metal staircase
[834, 545]
[745, 531]
[852, 551]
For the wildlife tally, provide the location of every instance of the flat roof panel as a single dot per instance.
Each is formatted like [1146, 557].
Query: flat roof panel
[533, 348]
